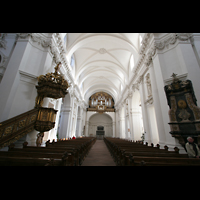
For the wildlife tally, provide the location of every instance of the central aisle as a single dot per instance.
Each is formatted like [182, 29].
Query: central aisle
[99, 155]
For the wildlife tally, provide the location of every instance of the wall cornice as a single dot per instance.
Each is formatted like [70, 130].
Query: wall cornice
[35, 38]
[171, 40]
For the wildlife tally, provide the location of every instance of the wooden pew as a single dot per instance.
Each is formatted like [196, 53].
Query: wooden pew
[82, 145]
[72, 153]
[67, 153]
[28, 161]
[164, 161]
[127, 156]
[61, 153]
[134, 154]
[63, 156]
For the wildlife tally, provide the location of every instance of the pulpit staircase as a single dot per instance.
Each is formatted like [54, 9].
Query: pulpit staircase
[17, 127]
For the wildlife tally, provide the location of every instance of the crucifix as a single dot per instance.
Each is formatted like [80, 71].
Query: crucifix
[174, 75]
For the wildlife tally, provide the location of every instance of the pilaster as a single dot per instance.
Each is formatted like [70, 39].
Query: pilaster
[147, 130]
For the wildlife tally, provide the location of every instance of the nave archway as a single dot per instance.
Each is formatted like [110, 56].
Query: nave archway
[100, 120]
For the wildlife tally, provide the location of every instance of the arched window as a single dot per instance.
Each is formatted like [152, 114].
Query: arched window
[140, 39]
[65, 40]
[72, 63]
[121, 87]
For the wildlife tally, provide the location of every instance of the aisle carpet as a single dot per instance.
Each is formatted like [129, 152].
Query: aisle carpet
[99, 155]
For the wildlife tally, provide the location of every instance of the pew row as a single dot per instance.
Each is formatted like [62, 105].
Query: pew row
[61, 153]
[126, 153]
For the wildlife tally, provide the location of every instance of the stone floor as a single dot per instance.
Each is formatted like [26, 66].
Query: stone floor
[99, 155]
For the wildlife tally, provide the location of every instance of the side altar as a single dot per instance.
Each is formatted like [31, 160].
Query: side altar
[184, 114]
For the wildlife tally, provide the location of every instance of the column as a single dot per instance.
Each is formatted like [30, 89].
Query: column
[55, 129]
[130, 107]
[117, 125]
[163, 125]
[157, 108]
[83, 122]
[69, 130]
[122, 122]
[144, 114]
[113, 128]
[87, 128]
[74, 118]
[126, 118]
[11, 79]
[136, 124]
[64, 122]
[79, 122]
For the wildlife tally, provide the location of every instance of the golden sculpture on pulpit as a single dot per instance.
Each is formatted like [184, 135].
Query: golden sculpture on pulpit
[52, 85]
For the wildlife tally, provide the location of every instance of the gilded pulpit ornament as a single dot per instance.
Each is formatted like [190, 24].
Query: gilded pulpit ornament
[184, 114]
[52, 85]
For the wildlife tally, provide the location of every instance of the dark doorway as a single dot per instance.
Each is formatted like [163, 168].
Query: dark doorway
[100, 132]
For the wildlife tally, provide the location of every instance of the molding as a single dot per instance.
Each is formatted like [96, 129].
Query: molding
[2, 40]
[171, 40]
[23, 35]
[145, 42]
[3, 59]
[27, 77]
[41, 41]
[165, 43]
[35, 38]
[149, 100]
[182, 77]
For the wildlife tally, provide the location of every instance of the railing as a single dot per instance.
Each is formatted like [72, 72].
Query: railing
[15, 128]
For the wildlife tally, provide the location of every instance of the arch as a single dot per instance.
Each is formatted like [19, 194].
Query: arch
[93, 89]
[94, 114]
[104, 120]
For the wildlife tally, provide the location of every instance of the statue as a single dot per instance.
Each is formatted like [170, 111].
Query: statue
[148, 82]
[39, 139]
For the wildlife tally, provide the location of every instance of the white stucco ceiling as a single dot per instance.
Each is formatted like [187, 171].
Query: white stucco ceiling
[102, 60]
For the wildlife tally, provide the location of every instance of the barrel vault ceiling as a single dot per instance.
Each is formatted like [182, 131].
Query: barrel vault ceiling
[102, 60]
